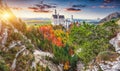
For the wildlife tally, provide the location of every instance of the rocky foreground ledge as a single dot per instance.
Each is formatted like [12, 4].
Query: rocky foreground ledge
[112, 63]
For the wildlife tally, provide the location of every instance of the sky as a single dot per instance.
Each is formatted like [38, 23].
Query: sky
[80, 9]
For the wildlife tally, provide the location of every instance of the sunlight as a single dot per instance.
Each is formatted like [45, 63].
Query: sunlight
[6, 16]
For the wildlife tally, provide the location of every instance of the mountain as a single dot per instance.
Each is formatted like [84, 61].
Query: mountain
[110, 17]
[44, 19]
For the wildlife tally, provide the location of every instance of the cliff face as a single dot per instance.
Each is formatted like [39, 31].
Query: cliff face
[110, 17]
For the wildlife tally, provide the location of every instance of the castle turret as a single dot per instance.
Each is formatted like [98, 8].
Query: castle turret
[57, 18]
[55, 12]
[71, 18]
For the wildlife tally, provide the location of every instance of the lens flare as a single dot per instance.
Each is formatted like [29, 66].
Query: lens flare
[6, 15]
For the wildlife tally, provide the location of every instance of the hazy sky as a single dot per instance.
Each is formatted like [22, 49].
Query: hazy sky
[82, 9]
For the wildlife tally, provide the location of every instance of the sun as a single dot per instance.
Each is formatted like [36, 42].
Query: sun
[6, 15]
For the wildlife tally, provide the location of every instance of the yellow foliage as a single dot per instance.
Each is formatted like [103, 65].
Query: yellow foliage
[60, 33]
[66, 66]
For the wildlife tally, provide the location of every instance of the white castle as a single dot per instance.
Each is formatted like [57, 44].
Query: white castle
[60, 20]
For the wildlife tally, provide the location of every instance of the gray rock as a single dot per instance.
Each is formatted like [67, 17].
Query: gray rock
[116, 42]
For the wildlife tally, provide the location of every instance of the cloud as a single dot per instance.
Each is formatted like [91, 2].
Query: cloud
[42, 11]
[88, 0]
[33, 8]
[115, 2]
[16, 8]
[92, 0]
[105, 6]
[94, 6]
[108, 1]
[39, 10]
[42, 8]
[79, 6]
[73, 9]
[45, 6]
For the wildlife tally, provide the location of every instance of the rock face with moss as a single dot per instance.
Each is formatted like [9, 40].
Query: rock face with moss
[14, 46]
[17, 52]
[116, 43]
[108, 60]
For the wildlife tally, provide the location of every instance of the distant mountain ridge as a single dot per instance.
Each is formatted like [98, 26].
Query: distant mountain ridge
[36, 18]
[114, 15]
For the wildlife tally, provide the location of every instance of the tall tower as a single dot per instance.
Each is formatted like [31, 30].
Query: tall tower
[55, 12]
[72, 18]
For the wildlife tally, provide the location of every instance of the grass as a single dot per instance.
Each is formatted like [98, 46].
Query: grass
[37, 23]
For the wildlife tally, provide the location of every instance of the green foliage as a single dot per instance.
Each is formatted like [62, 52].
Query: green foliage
[3, 66]
[47, 69]
[111, 26]
[34, 35]
[91, 39]
[73, 62]
[61, 54]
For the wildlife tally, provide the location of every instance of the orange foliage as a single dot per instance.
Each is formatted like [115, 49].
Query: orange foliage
[66, 65]
[49, 34]
[71, 52]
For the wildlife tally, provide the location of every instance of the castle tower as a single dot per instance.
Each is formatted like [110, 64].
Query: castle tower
[58, 19]
[55, 12]
[71, 18]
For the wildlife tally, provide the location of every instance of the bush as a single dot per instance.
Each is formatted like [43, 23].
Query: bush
[3, 66]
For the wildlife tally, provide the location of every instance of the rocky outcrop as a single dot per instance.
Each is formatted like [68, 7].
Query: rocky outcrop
[113, 65]
[110, 65]
[80, 66]
[116, 42]
[109, 61]
[40, 58]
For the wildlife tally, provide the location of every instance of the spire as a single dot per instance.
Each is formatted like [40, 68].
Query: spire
[55, 12]
[72, 18]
